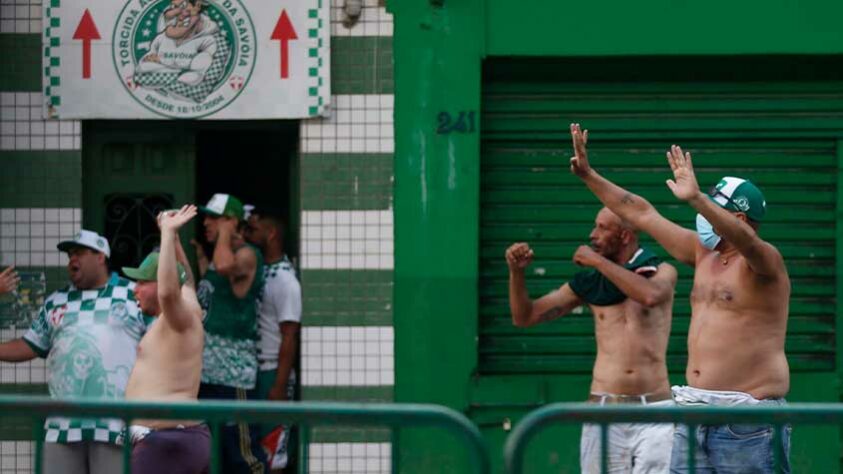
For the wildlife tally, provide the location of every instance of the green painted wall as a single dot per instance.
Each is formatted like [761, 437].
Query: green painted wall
[615, 27]
[439, 48]
[436, 208]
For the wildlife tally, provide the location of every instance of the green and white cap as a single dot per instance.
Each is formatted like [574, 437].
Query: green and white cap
[89, 239]
[739, 195]
[148, 270]
[224, 205]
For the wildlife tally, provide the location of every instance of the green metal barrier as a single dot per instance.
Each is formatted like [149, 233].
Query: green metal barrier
[216, 413]
[578, 413]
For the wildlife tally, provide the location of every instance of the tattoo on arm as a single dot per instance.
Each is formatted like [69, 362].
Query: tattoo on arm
[550, 314]
[627, 199]
[190, 280]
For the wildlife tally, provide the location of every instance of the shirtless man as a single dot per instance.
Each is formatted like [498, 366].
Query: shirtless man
[169, 360]
[630, 294]
[739, 307]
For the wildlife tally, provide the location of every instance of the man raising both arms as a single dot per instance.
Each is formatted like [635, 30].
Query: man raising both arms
[739, 307]
[169, 361]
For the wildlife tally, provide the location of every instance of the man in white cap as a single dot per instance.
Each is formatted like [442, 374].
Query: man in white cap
[739, 308]
[89, 333]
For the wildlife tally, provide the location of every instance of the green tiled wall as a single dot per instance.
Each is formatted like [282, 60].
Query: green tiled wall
[347, 297]
[361, 65]
[41, 179]
[21, 69]
[346, 181]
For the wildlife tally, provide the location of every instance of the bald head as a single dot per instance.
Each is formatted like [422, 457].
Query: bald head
[612, 235]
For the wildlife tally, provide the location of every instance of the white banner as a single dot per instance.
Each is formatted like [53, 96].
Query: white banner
[186, 59]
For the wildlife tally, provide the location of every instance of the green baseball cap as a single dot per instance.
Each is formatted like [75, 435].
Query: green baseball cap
[739, 195]
[224, 205]
[148, 270]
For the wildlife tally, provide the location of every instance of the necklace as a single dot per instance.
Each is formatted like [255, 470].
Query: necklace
[723, 258]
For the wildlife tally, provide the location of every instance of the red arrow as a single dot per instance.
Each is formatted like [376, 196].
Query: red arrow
[86, 31]
[284, 32]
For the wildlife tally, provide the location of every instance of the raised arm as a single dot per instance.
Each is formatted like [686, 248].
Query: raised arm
[648, 292]
[761, 256]
[201, 258]
[244, 272]
[181, 257]
[224, 261]
[526, 312]
[679, 242]
[179, 306]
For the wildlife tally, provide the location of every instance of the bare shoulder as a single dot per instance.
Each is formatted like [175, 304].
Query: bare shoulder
[667, 272]
[246, 252]
[774, 267]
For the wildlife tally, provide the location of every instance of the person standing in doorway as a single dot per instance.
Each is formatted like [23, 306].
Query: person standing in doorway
[279, 323]
[228, 293]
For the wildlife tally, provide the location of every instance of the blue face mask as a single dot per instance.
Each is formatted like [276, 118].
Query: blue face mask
[706, 233]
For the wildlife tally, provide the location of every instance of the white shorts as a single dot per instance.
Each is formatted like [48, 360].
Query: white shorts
[633, 447]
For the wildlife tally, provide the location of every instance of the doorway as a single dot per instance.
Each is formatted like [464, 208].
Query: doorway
[255, 163]
[134, 169]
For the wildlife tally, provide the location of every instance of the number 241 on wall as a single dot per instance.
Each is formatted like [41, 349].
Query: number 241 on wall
[462, 123]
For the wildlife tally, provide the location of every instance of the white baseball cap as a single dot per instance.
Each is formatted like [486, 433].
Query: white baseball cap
[89, 239]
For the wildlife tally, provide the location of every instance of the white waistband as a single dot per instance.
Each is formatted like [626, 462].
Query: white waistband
[138, 432]
[685, 395]
[267, 364]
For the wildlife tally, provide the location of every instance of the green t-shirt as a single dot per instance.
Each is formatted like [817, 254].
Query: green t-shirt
[90, 340]
[230, 354]
[594, 288]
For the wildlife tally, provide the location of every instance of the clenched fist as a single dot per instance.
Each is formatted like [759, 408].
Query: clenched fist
[519, 256]
[585, 256]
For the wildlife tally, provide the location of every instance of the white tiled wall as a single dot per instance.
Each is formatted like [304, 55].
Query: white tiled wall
[348, 356]
[358, 124]
[16, 457]
[23, 128]
[369, 458]
[373, 21]
[20, 16]
[28, 236]
[34, 371]
[347, 240]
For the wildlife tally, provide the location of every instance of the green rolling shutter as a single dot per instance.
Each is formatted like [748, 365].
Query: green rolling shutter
[528, 194]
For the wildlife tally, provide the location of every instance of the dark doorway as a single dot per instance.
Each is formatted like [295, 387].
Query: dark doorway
[255, 163]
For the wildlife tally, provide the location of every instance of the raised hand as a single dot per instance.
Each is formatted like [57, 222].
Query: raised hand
[585, 256]
[173, 220]
[684, 183]
[9, 280]
[579, 162]
[519, 256]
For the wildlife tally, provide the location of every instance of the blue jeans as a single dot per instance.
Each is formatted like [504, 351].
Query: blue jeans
[731, 449]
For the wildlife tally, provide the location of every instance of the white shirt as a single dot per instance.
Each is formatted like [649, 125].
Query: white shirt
[279, 301]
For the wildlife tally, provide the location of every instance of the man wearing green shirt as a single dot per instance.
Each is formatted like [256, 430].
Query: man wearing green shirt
[228, 293]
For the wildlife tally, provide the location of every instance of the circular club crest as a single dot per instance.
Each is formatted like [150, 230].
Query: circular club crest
[184, 58]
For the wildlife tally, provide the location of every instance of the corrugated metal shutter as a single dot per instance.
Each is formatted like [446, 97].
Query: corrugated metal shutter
[528, 194]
